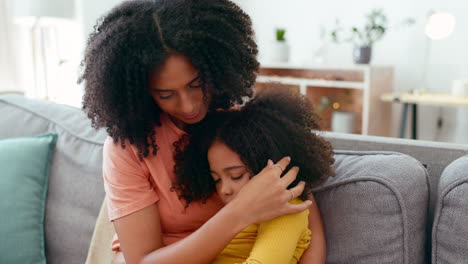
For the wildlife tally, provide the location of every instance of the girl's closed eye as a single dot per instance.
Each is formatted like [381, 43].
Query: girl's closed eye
[238, 177]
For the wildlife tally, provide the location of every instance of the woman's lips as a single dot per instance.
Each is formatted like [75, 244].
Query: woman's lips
[192, 115]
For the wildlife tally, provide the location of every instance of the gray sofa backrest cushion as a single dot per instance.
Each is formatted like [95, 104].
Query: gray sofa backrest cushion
[450, 230]
[434, 155]
[374, 210]
[75, 185]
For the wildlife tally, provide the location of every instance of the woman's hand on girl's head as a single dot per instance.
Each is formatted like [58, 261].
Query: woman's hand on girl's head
[265, 196]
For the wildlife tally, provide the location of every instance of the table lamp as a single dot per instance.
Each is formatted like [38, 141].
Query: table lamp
[439, 25]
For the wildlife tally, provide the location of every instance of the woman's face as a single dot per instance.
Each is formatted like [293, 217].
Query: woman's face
[228, 171]
[176, 87]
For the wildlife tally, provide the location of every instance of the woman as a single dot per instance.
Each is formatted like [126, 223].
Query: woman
[150, 68]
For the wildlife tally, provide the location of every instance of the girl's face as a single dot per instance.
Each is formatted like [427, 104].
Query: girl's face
[176, 87]
[227, 170]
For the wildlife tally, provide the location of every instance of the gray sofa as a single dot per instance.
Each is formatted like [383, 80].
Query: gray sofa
[380, 208]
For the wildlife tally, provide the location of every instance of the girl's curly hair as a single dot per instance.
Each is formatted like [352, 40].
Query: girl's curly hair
[138, 35]
[272, 125]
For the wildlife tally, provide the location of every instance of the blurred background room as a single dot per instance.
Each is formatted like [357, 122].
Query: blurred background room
[386, 68]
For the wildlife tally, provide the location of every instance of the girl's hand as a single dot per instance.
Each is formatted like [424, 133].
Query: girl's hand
[265, 196]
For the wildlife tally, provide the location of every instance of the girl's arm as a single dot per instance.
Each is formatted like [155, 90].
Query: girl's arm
[278, 239]
[262, 198]
[317, 251]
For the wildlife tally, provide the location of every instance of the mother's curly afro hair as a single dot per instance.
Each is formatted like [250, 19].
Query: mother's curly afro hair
[272, 125]
[136, 36]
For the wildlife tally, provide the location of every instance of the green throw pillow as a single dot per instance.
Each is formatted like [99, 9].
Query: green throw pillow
[24, 174]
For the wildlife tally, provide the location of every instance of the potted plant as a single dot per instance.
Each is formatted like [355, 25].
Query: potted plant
[363, 39]
[280, 51]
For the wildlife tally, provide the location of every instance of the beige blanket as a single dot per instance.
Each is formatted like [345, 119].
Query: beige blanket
[100, 251]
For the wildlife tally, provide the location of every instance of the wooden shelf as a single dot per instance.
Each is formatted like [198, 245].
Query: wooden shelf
[349, 100]
[310, 82]
[355, 89]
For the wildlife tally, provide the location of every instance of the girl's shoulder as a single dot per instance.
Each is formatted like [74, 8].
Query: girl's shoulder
[297, 220]
[296, 201]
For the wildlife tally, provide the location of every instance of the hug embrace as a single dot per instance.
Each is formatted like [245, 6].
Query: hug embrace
[192, 172]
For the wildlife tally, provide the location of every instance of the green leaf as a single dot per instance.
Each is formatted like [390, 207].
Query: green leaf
[280, 34]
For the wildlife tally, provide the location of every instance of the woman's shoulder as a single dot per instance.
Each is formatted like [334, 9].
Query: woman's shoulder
[125, 145]
[165, 134]
[113, 145]
[118, 150]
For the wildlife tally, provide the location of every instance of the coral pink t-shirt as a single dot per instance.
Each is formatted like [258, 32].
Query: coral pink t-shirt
[132, 185]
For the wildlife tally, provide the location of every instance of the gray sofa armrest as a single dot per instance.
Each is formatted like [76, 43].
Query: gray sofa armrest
[450, 229]
[374, 210]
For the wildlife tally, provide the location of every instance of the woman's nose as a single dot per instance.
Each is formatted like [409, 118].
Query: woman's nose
[187, 104]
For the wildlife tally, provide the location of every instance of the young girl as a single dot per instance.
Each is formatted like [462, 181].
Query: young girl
[228, 148]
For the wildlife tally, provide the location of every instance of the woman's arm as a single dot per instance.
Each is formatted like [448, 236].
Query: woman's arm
[317, 251]
[140, 235]
[263, 198]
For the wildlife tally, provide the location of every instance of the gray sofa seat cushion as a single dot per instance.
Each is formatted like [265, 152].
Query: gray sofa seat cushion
[75, 184]
[450, 229]
[374, 210]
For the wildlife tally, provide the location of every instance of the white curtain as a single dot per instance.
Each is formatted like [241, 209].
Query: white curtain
[8, 66]
[41, 44]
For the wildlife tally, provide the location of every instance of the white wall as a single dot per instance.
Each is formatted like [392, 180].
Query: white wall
[91, 10]
[52, 73]
[8, 75]
[403, 49]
